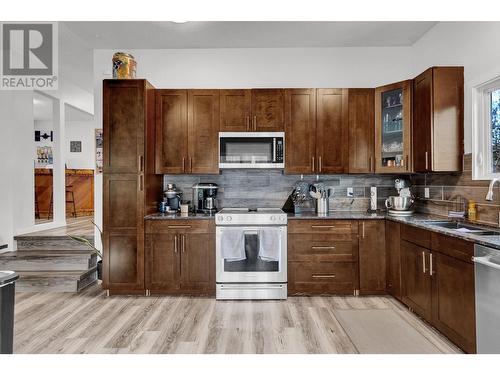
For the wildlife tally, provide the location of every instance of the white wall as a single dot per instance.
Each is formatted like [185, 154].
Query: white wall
[80, 131]
[471, 44]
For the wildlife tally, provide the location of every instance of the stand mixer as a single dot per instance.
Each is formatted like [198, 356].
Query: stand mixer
[400, 205]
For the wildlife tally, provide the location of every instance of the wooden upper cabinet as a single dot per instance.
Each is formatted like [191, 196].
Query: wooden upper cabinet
[372, 260]
[171, 131]
[123, 124]
[438, 120]
[361, 130]
[331, 130]
[235, 109]
[268, 110]
[203, 130]
[300, 130]
[393, 130]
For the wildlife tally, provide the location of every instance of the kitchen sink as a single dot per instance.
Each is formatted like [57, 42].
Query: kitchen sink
[465, 228]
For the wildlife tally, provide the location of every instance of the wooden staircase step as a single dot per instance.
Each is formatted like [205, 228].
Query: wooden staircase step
[50, 243]
[48, 260]
[56, 281]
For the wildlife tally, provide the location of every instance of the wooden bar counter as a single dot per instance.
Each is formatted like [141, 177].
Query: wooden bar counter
[80, 181]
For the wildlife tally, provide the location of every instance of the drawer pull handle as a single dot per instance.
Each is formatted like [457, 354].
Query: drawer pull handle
[323, 247]
[323, 276]
[323, 226]
[179, 226]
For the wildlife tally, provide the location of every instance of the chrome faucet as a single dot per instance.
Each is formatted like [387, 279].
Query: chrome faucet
[489, 194]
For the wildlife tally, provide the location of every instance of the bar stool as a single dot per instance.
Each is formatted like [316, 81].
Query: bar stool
[71, 200]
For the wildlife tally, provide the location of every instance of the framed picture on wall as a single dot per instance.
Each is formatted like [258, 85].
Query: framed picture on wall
[75, 146]
[98, 151]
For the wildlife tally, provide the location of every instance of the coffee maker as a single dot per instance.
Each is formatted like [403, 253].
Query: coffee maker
[172, 196]
[204, 195]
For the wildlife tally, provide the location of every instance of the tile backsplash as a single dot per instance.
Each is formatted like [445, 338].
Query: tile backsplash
[270, 188]
[446, 189]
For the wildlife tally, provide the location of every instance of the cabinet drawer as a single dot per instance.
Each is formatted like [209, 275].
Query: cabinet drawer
[321, 248]
[180, 226]
[344, 228]
[324, 277]
[452, 246]
[418, 236]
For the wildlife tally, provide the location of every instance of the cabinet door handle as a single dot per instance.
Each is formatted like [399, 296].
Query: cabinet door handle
[423, 261]
[190, 164]
[179, 226]
[175, 244]
[371, 164]
[254, 123]
[323, 226]
[426, 160]
[183, 242]
[323, 247]
[319, 163]
[312, 159]
[247, 122]
[431, 272]
[363, 228]
[184, 164]
[323, 276]
[141, 163]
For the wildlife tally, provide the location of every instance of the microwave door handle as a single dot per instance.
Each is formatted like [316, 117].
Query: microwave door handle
[274, 150]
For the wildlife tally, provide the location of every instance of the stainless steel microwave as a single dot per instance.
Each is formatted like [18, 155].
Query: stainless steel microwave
[252, 150]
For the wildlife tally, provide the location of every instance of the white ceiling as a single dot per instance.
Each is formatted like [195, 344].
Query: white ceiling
[165, 35]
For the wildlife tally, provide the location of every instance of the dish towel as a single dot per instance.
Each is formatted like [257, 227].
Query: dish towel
[233, 245]
[269, 244]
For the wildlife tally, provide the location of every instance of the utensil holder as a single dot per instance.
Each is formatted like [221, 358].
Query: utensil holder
[322, 205]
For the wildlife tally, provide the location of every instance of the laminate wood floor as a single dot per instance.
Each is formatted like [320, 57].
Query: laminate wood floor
[90, 322]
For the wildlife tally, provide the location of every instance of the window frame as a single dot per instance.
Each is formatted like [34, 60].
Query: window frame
[482, 160]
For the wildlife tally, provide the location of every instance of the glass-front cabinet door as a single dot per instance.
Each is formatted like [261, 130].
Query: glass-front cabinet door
[393, 128]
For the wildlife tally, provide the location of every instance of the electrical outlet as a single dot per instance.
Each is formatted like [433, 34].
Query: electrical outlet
[426, 193]
[350, 192]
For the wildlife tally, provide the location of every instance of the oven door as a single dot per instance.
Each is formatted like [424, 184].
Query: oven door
[251, 150]
[252, 269]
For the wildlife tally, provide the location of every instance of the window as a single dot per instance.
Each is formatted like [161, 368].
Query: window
[486, 130]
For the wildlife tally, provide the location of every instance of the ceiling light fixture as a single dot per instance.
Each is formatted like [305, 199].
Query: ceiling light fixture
[179, 21]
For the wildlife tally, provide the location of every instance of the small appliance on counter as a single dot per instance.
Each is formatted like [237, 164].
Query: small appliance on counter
[204, 197]
[401, 204]
[172, 198]
[321, 193]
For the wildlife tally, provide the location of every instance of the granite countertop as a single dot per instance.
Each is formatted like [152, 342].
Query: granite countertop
[416, 220]
[179, 216]
[422, 221]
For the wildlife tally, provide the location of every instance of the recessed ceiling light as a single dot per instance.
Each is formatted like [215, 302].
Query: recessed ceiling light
[180, 21]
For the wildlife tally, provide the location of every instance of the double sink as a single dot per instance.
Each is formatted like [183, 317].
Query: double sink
[462, 228]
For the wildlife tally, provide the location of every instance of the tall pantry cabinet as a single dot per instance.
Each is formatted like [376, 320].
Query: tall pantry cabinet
[131, 190]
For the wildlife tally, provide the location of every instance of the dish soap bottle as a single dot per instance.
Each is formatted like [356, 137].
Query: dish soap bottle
[471, 211]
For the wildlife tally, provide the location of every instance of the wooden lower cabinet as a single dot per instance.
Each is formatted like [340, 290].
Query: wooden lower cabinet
[180, 256]
[372, 256]
[393, 258]
[453, 302]
[438, 284]
[322, 257]
[416, 281]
